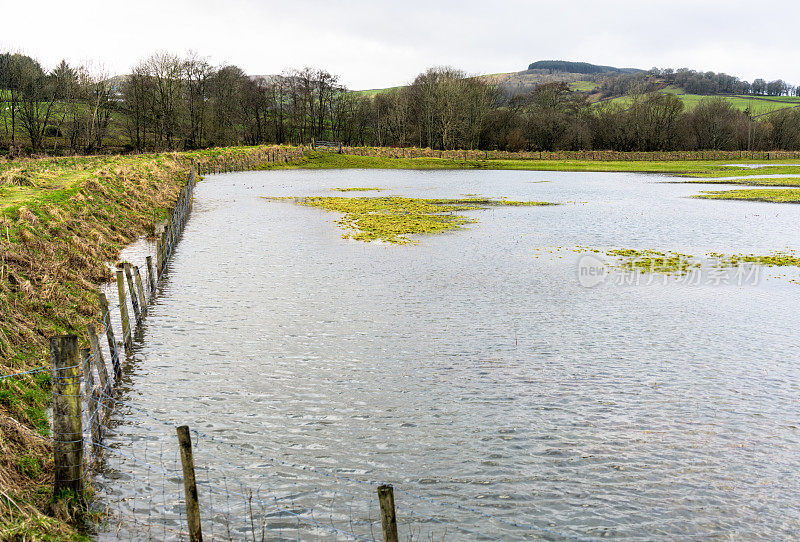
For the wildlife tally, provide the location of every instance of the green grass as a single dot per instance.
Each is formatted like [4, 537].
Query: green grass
[785, 181]
[374, 91]
[358, 189]
[758, 105]
[689, 168]
[773, 196]
[392, 219]
[583, 86]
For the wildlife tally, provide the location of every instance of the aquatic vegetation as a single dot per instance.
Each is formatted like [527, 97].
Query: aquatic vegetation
[393, 218]
[770, 195]
[776, 259]
[651, 261]
[358, 189]
[675, 263]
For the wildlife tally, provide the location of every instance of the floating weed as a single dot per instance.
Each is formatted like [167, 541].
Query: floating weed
[651, 261]
[393, 218]
[358, 189]
[776, 259]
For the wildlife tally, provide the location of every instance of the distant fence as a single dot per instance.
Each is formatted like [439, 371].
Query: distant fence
[328, 145]
[249, 160]
[478, 155]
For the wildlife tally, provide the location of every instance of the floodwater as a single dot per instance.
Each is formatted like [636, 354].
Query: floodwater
[475, 371]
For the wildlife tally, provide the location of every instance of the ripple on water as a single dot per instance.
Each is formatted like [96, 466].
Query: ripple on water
[466, 369]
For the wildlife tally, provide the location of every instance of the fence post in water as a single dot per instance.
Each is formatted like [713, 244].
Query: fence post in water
[151, 276]
[388, 517]
[123, 311]
[189, 484]
[94, 418]
[132, 289]
[67, 423]
[105, 319]
[97, 358]
[140, 287]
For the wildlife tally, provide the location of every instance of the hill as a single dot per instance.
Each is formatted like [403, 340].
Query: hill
[577, 67]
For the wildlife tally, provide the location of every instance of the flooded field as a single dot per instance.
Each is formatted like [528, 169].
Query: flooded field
[475, 371]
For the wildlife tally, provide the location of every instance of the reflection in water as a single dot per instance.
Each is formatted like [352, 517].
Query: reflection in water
[472, 369]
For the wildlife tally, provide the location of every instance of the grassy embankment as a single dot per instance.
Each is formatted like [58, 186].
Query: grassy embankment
[61, 221]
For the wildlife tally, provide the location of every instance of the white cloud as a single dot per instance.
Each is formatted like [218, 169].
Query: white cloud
[380, 43]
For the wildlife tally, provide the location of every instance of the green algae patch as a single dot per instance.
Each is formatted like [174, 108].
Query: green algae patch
[358, 189]
[393, 218]
[676, 263]
[776, 259]
[769, 195]
[651, 261]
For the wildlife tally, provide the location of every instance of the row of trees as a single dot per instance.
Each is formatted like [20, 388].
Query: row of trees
[172, 102]
[71, 105]
[552, 118]
[695, 82]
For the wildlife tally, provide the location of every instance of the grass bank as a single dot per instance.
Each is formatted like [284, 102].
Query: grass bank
[61, 221]
[785, 181]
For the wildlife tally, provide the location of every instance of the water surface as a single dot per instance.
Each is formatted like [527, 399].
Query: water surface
[473, 371]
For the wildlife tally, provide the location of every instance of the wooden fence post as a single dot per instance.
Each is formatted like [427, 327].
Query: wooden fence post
[105, 319]
[67, 422]
[132, 289]
[388, 517]
[151, 276]
[94, 418]
[140, 287]
[86, 364]
[190, 484]
[94, 396]
[97, 358]
[159, 251]
[127, 336]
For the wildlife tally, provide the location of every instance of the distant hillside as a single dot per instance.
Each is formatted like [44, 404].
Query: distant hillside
[577, 67]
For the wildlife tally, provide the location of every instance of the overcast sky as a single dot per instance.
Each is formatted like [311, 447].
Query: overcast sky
[375, 44]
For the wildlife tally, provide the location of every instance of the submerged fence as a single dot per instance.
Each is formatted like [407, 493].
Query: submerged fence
[82, 382]
[156, 486]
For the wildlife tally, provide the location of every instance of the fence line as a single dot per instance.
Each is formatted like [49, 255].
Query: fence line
[483, 155]
[370, 484]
